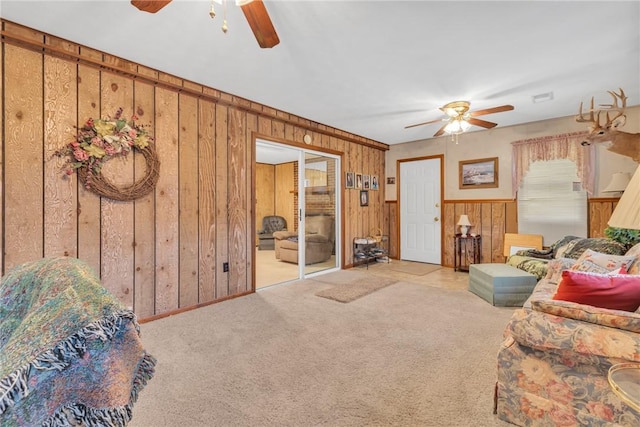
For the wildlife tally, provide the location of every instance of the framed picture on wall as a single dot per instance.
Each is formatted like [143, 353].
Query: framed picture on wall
[366, 184]
[358, 180]
[479, 173]
[349, 182]
[364, 198]
[374, 182]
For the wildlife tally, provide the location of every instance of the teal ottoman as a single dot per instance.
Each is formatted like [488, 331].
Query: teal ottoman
[501, 284]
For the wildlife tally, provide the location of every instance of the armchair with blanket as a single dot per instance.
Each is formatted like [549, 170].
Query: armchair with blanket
[319, 241]
[70, 352]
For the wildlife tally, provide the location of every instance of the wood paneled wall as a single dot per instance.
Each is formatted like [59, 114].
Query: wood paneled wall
[600, 210]
[163, 252]
[265, 192]
[491, 219]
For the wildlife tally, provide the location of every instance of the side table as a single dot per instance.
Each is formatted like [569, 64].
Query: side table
[624, 379]
[466, 251]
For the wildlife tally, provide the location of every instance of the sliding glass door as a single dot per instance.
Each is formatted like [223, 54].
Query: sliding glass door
[298, 187]
[320, 213]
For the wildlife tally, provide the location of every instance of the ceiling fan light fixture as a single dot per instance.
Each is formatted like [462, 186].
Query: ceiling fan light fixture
[457, 126]
[456, 108]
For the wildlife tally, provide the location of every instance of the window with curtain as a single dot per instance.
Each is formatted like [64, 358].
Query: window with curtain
[552, 201]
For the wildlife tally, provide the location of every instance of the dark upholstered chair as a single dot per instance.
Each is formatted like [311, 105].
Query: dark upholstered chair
[270, 224]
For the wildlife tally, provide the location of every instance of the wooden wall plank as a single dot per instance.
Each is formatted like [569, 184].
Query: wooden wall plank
[600, 211]
[284, 200]
[264, 125]
[23, 149]
[207, 198]
[511, 220]
[265, 192]
[450, 229]
[144, 212]
[222, 200]
[497, 231]
[277, 129]
[60, 195]
[167, 235]
[486, 231]
[117, 217]
[237, 176]
[89, 223]
[250, 159]
[188, 199]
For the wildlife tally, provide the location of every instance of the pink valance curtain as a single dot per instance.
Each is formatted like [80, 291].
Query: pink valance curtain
[563, 146]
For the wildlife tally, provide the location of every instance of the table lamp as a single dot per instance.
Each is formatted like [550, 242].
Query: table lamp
[464, 225]
[618, 183]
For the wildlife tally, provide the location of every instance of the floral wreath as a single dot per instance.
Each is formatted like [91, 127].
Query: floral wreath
[97, 142]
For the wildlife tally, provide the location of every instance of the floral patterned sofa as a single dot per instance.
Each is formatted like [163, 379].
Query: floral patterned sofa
[556, 354]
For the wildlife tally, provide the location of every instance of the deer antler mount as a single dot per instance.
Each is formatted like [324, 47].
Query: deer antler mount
[616, 141]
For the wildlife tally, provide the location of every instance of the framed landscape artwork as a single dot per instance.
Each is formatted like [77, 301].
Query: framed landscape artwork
[479, 173]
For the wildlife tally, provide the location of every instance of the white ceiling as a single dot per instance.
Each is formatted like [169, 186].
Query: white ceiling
[373, 67]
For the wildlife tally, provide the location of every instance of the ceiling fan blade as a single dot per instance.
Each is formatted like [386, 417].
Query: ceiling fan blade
[422, 124]
[481, 123]
[441, 130]
[491, 110]
[260, 23]
[151, 6]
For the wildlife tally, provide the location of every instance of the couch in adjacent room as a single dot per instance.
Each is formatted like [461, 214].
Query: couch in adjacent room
[319, 241]
[581, 319]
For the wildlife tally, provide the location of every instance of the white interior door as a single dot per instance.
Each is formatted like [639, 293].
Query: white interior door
[420, 211]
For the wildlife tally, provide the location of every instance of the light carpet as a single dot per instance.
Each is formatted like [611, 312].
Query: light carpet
[407, 355]
[415, 268]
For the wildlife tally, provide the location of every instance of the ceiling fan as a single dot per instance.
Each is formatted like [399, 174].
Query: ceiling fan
[460, 118]
[254, 11]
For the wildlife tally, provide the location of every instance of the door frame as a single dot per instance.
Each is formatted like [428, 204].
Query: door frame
[399, 195]
[339, 194]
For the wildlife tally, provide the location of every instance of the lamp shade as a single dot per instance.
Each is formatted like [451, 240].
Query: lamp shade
[627, 211]
[464, 220]
[618, 183]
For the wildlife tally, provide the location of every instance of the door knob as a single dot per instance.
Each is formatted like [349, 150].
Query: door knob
[436, 219]
[437, 205]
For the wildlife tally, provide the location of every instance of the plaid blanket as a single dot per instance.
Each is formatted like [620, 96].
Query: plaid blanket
[70, 353]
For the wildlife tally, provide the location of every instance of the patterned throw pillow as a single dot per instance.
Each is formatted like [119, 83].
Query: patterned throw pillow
[599, 244]
[607, 261]
[556, 266]
[591, 267]
[615, 292]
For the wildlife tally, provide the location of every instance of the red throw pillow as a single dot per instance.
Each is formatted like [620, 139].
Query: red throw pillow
[615, 292]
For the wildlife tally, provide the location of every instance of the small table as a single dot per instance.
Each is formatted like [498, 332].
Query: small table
[624, 379]
[466, 251]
